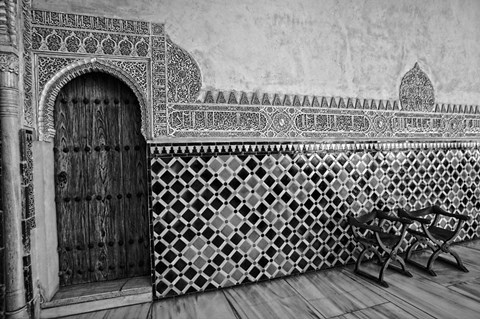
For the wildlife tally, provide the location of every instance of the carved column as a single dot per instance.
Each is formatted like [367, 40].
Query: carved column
[15, 304]
[10, 182]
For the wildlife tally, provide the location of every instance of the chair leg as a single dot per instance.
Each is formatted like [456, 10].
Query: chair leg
[402, 269]
[379, 256]
[431, 260]
[359, 271]
[360, 258]
[459, 262]
[408, 256]
[382, 272]
[410, 249]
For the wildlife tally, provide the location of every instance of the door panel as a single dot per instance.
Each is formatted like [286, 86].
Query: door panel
[100, 161]
[134, 194]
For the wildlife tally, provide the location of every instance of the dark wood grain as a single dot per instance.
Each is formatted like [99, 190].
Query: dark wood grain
[113, 187]
[134, 180]
[102, 224]
[72, 216]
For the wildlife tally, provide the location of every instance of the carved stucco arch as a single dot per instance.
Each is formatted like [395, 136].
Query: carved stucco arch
[55, 84]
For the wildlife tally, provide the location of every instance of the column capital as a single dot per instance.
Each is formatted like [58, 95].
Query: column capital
[9, 62]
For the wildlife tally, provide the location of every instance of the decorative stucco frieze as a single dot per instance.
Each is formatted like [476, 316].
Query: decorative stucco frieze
[8, 19]
[89, 42]
[27, 63]
[48, 66]
[59, 40]
[198, 120]
[159, 80]
[87, 22]
[56, 72]
[158, 29]
[9, 63]
[184, 79]
[266, 121]
[416, 91]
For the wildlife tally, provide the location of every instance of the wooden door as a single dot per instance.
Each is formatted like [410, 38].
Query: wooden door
[100, 181]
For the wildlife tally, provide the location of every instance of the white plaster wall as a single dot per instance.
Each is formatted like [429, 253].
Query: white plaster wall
[44, 250]
[354, 48]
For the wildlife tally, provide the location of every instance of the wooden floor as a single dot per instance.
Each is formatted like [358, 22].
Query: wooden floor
[94, 291]
[335, 293]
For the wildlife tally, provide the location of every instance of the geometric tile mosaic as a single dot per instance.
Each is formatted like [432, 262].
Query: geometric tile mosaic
[233, 213]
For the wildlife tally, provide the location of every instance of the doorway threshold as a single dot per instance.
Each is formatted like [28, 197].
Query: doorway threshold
[83, 298]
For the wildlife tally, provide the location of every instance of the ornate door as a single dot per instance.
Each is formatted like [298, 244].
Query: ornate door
[100, 181]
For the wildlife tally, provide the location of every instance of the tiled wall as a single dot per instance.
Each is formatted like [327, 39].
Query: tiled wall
[232, 213]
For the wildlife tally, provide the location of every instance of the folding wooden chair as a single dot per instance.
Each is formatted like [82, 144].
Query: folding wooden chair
[438, 239]
[368, 230]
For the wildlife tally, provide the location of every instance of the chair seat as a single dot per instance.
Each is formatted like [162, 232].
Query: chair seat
[387, 239]
[441, 233]
[437, 232]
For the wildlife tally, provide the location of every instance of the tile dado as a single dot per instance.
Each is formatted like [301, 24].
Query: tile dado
[232, 213]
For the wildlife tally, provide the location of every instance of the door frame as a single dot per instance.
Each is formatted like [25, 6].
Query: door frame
[45, 268]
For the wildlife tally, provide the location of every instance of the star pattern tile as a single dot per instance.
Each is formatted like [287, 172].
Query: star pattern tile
[229, 214]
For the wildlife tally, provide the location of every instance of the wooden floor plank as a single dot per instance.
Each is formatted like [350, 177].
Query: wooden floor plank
[137, 282]
[206, 305]
[333, 293]
[469, 255]
[448, 274]
[180, 308]
[93, 288]
[89, 315]
[431, 297]
[473, 244]
[337, 304]
[139, 311]
[261, 293]
[322, 284]
[383, 311]
[470, 289]
[406, 306]
[283, 308]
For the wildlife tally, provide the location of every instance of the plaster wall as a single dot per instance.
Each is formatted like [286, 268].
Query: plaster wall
[44, 250]
[332, 48]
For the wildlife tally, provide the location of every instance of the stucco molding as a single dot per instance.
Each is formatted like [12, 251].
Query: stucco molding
[9, 62]
[416, 91]
[53, 86]
[28, 111]
[89, 42]
[89, 22]
[8, 18]
[184, 79]
[325, 121]
[159, 79]
[67, 37]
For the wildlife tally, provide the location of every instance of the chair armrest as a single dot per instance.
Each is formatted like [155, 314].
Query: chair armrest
[400, 219]
[404, 214]
[439, 210]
